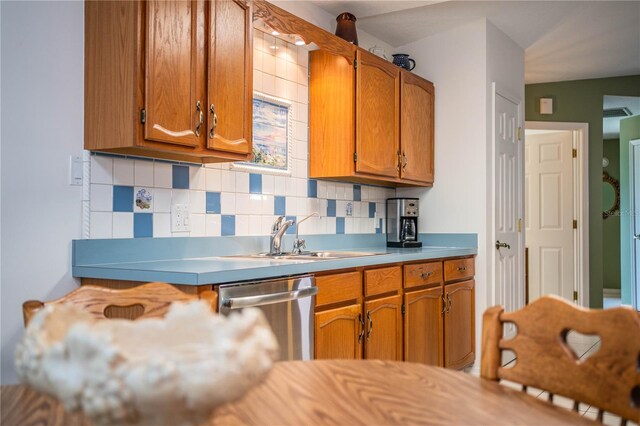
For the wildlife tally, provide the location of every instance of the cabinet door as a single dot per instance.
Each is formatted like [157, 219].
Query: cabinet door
[377, 115]
[339, 333]
[423, 327]
[383, 325]
[416, 128]
[174, 77]
[459, 326]
[230, 77]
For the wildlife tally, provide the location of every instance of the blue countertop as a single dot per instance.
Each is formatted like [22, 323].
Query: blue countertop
[201, 261]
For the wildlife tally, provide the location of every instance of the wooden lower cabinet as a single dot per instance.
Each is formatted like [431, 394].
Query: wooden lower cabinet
[423, 338]
[338, 333]
[459, 324]
[383, 324]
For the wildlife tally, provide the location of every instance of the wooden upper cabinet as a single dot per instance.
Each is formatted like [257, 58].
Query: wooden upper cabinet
[174, 84]
[338, 333]
[459, 324]
[229, 109]
[423, 339]
[152, 71]
[377, 115]
[416, 128]
[383, 325]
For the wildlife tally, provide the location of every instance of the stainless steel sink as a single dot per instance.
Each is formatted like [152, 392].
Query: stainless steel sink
[309, 255]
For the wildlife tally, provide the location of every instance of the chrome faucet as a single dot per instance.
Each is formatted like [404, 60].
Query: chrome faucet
[278, 229]
[299, 244]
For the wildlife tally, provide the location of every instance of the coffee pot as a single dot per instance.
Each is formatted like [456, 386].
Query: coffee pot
[402, 60]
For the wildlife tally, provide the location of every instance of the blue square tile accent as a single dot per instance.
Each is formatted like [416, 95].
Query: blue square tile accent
[228, 224]
[357, 193]
[279, 205]
[339, 225]
[122, 198]
[312, 188]
[143, 225]
[292, 228]
[331, 208]
[255, 183]
[180, 177]
[372, 210]
[213, 202]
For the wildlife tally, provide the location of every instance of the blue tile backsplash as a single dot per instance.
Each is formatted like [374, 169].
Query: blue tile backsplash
[224, 199]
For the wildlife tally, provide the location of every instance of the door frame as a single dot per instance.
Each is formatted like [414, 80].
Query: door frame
[634, 284]
[499, 89]
[580, 136]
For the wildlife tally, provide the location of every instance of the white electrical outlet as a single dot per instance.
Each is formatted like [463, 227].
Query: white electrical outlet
[76, 170]
[180, 218]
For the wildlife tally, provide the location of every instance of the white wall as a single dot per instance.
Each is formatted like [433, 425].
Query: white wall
[462, 63]
[42, 125]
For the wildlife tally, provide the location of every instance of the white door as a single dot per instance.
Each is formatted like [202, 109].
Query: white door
[508, 197]
[549, 213]
[635, 221]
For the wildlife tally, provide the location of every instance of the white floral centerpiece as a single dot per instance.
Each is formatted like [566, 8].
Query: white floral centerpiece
[163, 371]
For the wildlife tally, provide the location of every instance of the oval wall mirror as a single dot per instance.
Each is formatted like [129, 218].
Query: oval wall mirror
[610, 195]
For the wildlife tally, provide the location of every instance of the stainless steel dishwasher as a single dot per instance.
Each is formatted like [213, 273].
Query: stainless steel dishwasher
[288, 306]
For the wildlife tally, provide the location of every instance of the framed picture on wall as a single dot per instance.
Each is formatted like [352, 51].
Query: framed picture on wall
[271, 136]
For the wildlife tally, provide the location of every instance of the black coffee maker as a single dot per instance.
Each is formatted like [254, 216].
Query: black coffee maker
[402, 222]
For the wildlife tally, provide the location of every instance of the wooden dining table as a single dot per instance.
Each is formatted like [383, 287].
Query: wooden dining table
[341, 392]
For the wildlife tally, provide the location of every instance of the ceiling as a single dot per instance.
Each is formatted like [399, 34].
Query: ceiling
[563, 40]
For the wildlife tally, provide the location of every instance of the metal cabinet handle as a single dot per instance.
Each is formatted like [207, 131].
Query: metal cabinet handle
[636, 236]
[201, 118]
[462, 268]
[502, 245]
[449, 303]
[404, 165]
[370, 325]
[444, 305]
[214, 124]
[268, 299]
[426, 275]
[361, 335]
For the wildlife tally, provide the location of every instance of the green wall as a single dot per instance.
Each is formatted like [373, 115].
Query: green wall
[581, 101]
[611, 225]
[629, 130]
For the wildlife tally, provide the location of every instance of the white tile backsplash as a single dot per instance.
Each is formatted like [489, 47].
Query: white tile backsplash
[217, 189]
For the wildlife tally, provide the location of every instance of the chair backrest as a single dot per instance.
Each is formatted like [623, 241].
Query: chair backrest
[608, 380]
[144, 301]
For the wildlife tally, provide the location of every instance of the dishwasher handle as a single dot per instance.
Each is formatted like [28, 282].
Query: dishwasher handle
[268, 299]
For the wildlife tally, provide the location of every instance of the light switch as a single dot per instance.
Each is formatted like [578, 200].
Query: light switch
[180, 218]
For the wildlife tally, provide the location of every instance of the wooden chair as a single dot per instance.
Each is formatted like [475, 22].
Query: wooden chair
[608, 380]
[144, 301]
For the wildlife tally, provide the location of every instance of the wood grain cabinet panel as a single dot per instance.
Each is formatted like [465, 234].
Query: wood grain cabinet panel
[459, 324]
[417, 128]
[423, 338]
[383, 324]
[423, 274]
[377, 115]
[338, 333]
[230, 85]
[458, 269]
[154, 68]
[382, 280]
[337, 288]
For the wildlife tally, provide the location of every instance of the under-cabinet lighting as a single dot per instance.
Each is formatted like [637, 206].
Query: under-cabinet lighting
[299, 41]
[275, 33]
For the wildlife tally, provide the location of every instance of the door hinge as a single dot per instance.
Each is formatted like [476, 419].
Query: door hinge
[575, 224]
[355, 63]
[143, 115]
[519, 133]
[355, 157]
[575, 153]
[519, 225]
[402, 309]
[575, 296]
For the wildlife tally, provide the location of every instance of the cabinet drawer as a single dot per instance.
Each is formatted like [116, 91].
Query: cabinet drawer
[338, 288]
[422, 274]
[383, 280]
[458, 269]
